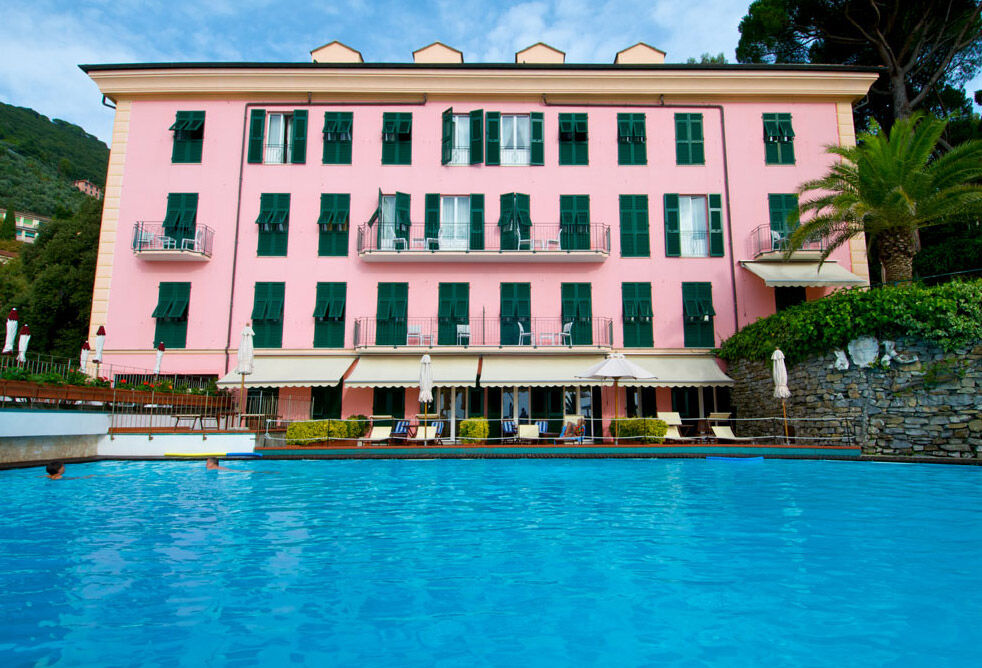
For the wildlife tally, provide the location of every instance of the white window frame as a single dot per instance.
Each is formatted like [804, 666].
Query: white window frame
[455, 222]
[460, 140]
[279, 149]
[694, 225]
[515, 151]
[387, 223]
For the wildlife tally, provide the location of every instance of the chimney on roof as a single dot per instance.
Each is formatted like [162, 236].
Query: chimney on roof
[335, 52]
[437, 52]
[640, 54]
[541, 54]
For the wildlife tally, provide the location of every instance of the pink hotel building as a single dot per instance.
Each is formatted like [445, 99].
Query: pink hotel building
[516, 221]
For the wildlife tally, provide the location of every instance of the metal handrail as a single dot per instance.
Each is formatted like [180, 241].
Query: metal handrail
[520, 332]
[153, 236]
[539, 237]
[765, 240]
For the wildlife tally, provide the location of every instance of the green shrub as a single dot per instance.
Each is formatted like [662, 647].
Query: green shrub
[949, 315]
[15, 373]
[646, 430]
[76, 378]
[310, 431]
[357, 426]
[473, 430]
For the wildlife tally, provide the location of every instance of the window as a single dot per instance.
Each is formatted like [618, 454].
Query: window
[267, 315]
[389, 401]
[785, 298]
[337, 137]
[514, 223]
[634, 226]
[453, 314]
[577, 313]
[463, 142]
[698, 314]
[781, 207]
[689, 148]
[189, 133]
[637, 313]
[693, 225]
[274, 222]
[574, 222]
[333, 223]
[180, 221]
[573, 148]
[172, 314]
[329, 306]
[514, 139]
[277, 138]
[631, 140]
[516, 314]
[392, 215]
[454, 222]
[397, 136]
[778, 139]
[390, 314]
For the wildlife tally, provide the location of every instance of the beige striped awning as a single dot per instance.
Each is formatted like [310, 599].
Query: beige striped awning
[678, 371]
[537, 371]
[804, 274]
[403, 371]
[292, 371]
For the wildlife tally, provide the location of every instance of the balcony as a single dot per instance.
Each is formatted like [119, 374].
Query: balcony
[539, 242]
[767, 244]
[152, 242]
[541, 334]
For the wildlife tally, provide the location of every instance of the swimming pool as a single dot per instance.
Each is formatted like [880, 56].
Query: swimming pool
[542, 562]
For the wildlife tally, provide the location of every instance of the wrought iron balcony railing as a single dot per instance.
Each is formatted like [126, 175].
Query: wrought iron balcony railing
[153, 241]
[547, 239]
[484, 331]
[765, 241]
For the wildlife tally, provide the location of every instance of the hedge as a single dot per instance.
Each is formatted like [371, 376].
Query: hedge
[474, 430]
[949, 315]
[646, 430]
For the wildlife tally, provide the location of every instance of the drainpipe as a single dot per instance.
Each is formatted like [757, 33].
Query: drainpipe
[242, 164]
[726, 170]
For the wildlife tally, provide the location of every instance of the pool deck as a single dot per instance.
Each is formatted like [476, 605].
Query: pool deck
[521, 451]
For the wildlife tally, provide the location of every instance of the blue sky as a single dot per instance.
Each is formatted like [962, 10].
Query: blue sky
[44, 40]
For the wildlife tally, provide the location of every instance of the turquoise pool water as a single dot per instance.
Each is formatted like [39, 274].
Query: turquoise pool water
[493, 563]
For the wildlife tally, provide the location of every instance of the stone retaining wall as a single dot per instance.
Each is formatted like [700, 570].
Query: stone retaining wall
[932, 407]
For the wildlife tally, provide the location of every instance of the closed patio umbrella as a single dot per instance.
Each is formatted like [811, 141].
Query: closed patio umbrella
[615, 367]
[8, 344]
[160, 357]
[245, 363]
[100, 342]
[83, 358]
[25, 338]
[425, 387]
[781, 391]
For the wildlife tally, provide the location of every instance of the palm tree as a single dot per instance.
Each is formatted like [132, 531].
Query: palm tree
[889, 186]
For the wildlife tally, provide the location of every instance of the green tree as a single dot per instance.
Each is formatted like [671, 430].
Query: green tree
[8, 230]
[890, 186]
[708, 59]
[929, 48]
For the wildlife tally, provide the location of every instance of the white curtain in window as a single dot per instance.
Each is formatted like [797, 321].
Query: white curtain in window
[693, 226]
[278, 139]
[461, 140]
[516, 141]
[455, 223]
[387, 224]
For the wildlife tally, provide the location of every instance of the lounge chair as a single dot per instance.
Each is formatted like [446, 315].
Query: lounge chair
[725, 433]
[716, 418]
[425, 433]
[672, 434]
[543, 426]
[508, 431]
[401, 430]
[571, 433]
[377, 435]
[528, 432]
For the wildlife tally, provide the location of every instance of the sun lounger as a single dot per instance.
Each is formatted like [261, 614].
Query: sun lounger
[508, 431]
[672, 419]
[571, 433]
[725, 433]
[401, 430]
[672, 434]
[426, 433]
[378, 435]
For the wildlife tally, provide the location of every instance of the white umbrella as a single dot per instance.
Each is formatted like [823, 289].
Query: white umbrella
[781, 391]
[100, 342]
[83, 358]
[245, 362]
[25, 338]
[425, 388]
[8, 344]
[616, 366]
[160, 357]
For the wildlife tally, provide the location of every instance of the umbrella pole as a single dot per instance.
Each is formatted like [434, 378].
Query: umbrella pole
[615, 412]
[784, 409]
[242, 396]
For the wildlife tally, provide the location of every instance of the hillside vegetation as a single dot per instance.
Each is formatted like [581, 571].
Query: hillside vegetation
[949, 315]
[39, 159]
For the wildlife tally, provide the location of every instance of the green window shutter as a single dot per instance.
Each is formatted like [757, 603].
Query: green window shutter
[402, 222]
[267, 315]
[716, 226]
[698, 315]
[390, 322]
[638, 328]
[689, 149]
[631, 139]
[431, 222]
[405, 145]
[492, 124]
[334, 224]
[260, 301]
[397, 133]
[477, 222]
[188, 130]
[273, 221]
[580, 140]
[697, 152]
[477, 136]
[673, 237]
[506, 216]
[329, 311]
[778, 139]
[163, 301]
[337, 137]
[345, 137]
[257, 128]
[574, 222]
[634, 226]
[640, 134]
[173, 216]
[538, 153]
[446, 142]
[577, 309]
[298, 133]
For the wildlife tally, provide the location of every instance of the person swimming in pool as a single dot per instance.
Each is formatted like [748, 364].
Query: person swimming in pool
[212, 465]
[55, 470]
